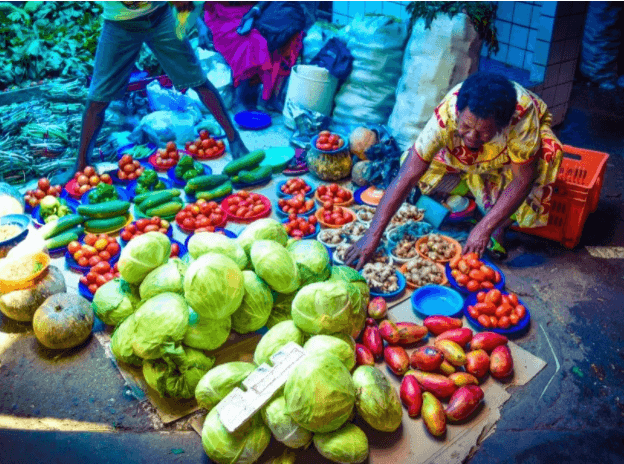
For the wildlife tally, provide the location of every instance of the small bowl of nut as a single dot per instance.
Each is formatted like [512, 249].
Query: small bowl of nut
[407, 213]
[338, 253]
[438, 248]
[381, 255]
[331, 238]
[354, 231]
[419, 272]
[365, 214]
[383, 280]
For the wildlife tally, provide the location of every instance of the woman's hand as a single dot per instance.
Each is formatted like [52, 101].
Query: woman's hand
[360, 252]
[478, 239]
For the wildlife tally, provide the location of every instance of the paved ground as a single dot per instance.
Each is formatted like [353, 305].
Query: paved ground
[572, 411]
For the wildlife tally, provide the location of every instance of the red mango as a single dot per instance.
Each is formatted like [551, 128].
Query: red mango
[438, 384]
[363, 356]
[397, 359]
[433, 415]
[487, 341]
[389, 332]
[464, 402]
[372, 340]
[460, 336]
[461, 379]
[477, 363]
[439, 324]
[410, 333]
[411, 395]
[501, 362]
[377, 308]
[426, 358]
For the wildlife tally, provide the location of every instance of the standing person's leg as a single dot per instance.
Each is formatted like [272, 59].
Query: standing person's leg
[117, 50]
[183, 68]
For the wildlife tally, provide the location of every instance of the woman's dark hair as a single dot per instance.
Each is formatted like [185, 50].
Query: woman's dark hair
[488, 95]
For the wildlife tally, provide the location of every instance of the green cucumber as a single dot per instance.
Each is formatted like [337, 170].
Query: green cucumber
[64, 238]
[256, 175]
[218, 192]
[63, 224]
[104, 210]
[167, 209]
[201, 183]
[138, 199]
[156, 199]
[248, 161]
[98, 226]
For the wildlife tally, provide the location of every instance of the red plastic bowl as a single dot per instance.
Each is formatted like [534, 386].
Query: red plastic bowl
[267, 211]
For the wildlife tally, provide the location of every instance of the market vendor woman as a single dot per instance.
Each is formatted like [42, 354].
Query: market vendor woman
[496, 136]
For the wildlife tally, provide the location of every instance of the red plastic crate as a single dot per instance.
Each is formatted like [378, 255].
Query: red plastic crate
[576, 194]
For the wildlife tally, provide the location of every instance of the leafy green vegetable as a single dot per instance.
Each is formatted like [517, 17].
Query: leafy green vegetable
[348, 444]
[262, 229]
[177, 374]
[148, 179]
[121, 342]
[166, 278]
[323, 308]
[376, 400]
[115, 301]
[205, 333]
[255, 309]
[328, 344]
[275, 339]
[274, 264]
[220, 381]
[284, 429]
[202, 243]
[142, 255]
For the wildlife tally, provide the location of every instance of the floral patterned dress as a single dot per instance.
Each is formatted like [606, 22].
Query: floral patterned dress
[488, 171]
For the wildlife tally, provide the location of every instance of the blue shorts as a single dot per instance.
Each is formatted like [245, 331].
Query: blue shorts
[119, 46]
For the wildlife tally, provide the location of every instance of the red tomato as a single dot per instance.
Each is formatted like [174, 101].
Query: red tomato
[112, 248]
[93, 260]
[142, 223]
[93, 288]
[125, 235]
[101, 268]
[90, 239]
[175, 250]
[73, 247]
[203, 134]
[189, 224]
[104, 255]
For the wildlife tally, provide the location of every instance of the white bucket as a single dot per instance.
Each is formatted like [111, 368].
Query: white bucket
[311, 87]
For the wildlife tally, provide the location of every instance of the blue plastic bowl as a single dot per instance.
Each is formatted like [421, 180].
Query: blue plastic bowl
[331, 152]
[513, 330]
[436, 300]
[253, 120]
[36, 212]
[20, 220]
[84, 292]
[463, 290]
[282, 214]
[281, 194]
[72, 264]
[392, 295]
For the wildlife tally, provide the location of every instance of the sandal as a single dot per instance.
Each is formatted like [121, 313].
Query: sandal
[496, 251]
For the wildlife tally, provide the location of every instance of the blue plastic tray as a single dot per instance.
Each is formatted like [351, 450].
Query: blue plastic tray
[84, 291]
[392, 295]
[122, 193]
[252, 120]
[463, 290]
[311, 236]
[281, 194]
[436, 300]
[36, 212]
[516, 329]
[177, 182]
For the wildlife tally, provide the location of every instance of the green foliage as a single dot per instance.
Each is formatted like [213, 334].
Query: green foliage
[48, 39]
[481, 14]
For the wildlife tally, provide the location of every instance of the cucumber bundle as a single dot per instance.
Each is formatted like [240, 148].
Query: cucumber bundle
[247, 169]
[104, 217]
[60, 233]
[164, 204]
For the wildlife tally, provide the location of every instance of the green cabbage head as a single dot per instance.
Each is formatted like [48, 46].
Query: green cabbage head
[244, 446]
[323, 308]
[276, 338]
[328, 344]
[282, 306]
[207, 334]
[348, 444]
[312, 260]
[121, 342]
[142, 255]
[274, 264]
[209, 242]
[284, 429]
[114, 301]
[166, 278]
[213, 286]
[350, 275]
[262, 229]
[255, 309]
[376, 400]
[161, 323]
[177, 374]
[220, 381]
[319, 393]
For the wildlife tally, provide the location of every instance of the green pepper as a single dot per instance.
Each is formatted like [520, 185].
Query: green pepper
[160, 186]
[190, 174]
[148, 178]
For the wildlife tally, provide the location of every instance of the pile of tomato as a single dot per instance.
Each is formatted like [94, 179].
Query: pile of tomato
[89, 178]
[299, 227]
[329, 142]
[129, 169]
[98, 275]
[96, 248]
[245, 204]
[167, 157]
[295, 186]
[201, 216]
[335, 215]
[473, 274]
[33, 197]
[295, 205]
[495, 309]
[154, 224]
[333, 192]
[204, 146]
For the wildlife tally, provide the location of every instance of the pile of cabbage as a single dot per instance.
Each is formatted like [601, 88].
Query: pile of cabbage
[172, 316]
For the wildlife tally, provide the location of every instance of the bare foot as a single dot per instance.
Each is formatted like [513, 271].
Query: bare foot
[238, 148]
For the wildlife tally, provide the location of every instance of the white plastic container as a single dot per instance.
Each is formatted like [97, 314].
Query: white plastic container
[311, 87]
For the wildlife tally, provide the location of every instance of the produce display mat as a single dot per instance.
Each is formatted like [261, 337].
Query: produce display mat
[411, 442]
